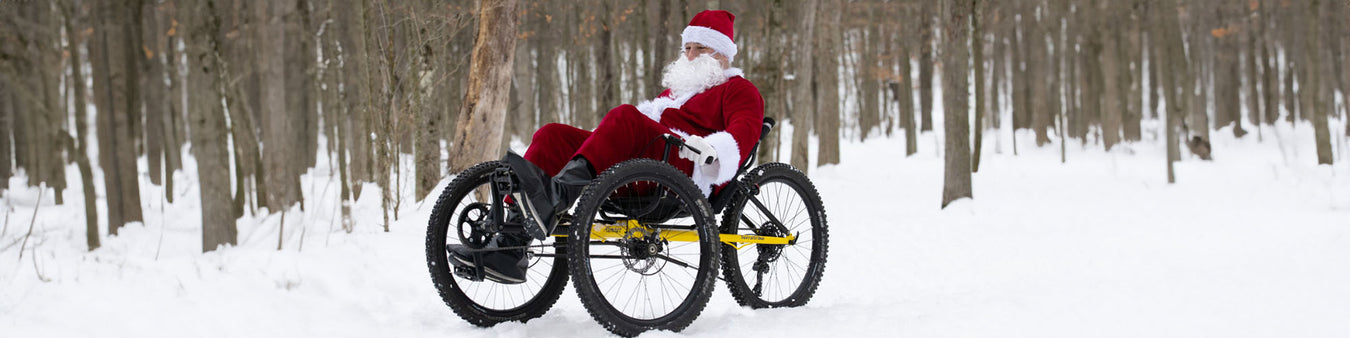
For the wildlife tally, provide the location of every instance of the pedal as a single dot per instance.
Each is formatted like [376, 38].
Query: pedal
[468, 273]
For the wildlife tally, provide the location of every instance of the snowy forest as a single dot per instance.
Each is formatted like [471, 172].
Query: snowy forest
[267, 82]
[143, 126]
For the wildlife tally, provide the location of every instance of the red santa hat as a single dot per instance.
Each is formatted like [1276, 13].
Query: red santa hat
[713, 29]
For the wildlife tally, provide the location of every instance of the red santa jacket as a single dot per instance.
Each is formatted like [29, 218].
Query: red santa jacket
[728, 116]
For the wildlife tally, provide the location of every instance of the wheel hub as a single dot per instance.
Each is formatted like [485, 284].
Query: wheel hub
[640, 251]
[769, 253]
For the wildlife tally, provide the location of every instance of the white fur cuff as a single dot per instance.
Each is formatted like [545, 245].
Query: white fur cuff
[728, 160]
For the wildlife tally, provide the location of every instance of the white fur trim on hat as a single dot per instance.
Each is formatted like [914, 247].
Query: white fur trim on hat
[711, 38]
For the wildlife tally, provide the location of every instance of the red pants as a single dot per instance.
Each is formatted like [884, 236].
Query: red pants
[622, 135]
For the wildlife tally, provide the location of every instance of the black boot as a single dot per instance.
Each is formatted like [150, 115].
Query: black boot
[543, 198]
[506, 266]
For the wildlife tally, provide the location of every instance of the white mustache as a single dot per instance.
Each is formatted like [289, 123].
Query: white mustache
[684, 76]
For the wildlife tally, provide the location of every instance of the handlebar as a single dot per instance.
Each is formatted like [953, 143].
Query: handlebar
[672, 140]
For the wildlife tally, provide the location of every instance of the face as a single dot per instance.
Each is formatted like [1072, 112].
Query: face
[693, 50]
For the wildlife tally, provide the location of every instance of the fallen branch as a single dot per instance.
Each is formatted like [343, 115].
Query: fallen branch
[34, 221]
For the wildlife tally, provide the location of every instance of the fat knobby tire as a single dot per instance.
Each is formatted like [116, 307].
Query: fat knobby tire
[587, 207]
[777, 172]
[441, 275]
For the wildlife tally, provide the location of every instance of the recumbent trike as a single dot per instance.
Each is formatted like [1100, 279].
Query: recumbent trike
[642, 244]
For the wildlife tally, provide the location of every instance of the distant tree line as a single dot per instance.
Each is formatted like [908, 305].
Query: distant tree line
[257, 89]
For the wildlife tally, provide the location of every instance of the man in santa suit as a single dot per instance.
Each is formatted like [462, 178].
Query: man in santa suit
[710, 105]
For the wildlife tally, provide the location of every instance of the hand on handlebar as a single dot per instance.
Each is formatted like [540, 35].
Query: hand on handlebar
[698, 150]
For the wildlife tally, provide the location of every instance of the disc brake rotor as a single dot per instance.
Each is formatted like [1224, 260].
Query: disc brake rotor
[640, 247]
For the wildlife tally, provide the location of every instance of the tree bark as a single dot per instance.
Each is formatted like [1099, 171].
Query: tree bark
[207, 121]
[155, 94]
[479, 129]
[1174, 70]
[299, 96]
[827, 83]
[904, 91]
[868, 116]
[116, 81]
[283, 125]
[1106, 38]
[77, 147]
[803, 99]
[427, 145]
[977, 23]
[956, 95]
[1317, 104]
[7, 112]
[926, 67]
[1131, 64]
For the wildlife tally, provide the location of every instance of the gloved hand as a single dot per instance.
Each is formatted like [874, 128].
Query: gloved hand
[706, 156]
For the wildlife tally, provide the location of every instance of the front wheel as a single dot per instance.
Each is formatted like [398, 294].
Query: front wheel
[781, 202]
[643, 248]
[460, 217]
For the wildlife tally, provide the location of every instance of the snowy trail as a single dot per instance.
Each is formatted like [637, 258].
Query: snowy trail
[1250, 245]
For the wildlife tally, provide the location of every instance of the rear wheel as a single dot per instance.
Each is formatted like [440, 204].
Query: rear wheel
[784, 203]
[462, 216]
[629, 273]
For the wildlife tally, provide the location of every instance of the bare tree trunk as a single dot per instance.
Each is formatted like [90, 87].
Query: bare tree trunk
[116, 81]
[479, 129]
[7, 113]
[977, 47]
[1271, 76]
[1253, 64]
[154, 94]
[904, 91]
[1108, 52]
[352, 31]
[299, 98]
[427, 145]
[1174, 73]
[605, 55]
[522, 124]
[868, 115]
[827, 83]
[208, 122]
[1131, 64]
[956, 96]
[1318, 105]
[1228, 75]
[77, 147]
[174, 133]
[661, 48]
[283, 125]
[1199, 52]
[1022, 74]
[771, 82]
[803, 98]
[547, 75]
[926, 66]
[1037, 76]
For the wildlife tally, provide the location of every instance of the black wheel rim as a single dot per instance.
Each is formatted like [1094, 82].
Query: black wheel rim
[777, 273]
[491, 297]
[641, 277]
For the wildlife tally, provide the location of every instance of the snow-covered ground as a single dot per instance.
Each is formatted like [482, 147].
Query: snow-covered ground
[1253, 244]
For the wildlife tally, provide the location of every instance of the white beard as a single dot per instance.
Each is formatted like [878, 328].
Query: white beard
[689, 77]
